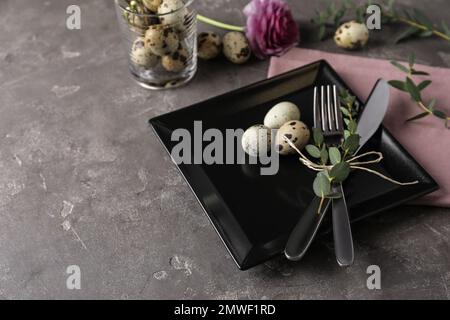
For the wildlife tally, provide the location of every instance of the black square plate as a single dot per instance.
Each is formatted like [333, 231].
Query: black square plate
[254, 214]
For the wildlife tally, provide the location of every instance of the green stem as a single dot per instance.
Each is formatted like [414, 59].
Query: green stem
[419, 26]
[219, 24]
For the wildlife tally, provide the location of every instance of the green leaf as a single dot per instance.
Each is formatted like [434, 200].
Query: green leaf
[440, 114]
[445, 28]
[340, 171]
[317, 136]
[419, 73]
[400, 66]
[412, 89]
[397, 84]
[352, 126]
[351, 144]
[419, 116]
[346, 133]
[409, 32]
[432, 104]
[345, 112]
[324, 155]
[425, 34]
[322, 32]
[321, 185]
[423, 84]
[335, 155]
[411, 59]
[313, 151]
[421, 17]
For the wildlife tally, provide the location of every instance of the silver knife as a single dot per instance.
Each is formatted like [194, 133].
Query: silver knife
[369, 121]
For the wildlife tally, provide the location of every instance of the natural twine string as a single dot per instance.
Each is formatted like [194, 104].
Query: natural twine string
[352, 163]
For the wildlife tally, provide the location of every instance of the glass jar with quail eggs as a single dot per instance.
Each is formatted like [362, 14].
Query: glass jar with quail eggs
[160, 41]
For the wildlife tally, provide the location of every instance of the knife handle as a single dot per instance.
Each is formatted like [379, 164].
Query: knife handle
[343, 242]
[303, 234]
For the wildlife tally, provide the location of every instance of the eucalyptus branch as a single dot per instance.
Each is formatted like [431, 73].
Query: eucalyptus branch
[333, 164]
[419, 24]
[415, 91]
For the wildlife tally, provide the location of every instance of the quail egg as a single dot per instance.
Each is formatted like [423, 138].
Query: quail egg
[152, 5]
[161, 40]
[142, 56]
[175, 62]
[257, 140]
[351, 35]
[209, 45]
[280, 114]
[236, 47]
[297, 132]
[173, 12]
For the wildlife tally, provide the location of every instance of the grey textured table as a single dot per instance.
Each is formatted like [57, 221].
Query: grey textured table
[83, 181]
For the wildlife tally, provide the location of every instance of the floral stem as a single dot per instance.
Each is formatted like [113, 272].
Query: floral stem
[219, 24]
[419, 26]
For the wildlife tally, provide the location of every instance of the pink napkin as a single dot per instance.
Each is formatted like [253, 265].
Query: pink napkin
[427, 140]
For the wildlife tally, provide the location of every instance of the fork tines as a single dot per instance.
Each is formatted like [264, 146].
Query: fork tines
[327, 113]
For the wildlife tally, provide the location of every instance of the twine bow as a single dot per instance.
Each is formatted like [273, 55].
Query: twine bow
[354, 163]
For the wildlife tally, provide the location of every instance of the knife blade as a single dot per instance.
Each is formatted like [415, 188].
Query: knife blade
[370, 120]
[373, 113]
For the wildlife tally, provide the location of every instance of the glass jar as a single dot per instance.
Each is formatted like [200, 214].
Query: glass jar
[160, 39]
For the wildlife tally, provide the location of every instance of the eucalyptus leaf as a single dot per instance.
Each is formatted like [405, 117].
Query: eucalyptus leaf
[445, 28]
[352, 126]
[440, 114]
[321, 185]
[412, 89]
[324, 155]
[400, 66]
[411, 59]
[423, 84]
[345, 112]
[322, 32]
[432, 104]
[421, 17]
[419, 116]
[346, 134]
[425, 34]
[419, 73]
[351, 144]
[340, 171]
[397, 84]
[335, 155]
[313, 151]
[317, 136]
[405, 34]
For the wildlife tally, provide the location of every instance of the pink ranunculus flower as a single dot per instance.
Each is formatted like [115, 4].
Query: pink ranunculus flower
[271, 29]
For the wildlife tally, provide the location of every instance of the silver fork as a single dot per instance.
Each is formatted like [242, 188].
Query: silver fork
[328, 118]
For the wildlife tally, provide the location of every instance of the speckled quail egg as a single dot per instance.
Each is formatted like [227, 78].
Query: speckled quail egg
[209, 45]
[280, 114]
[351, 35]
[161, 40]
[257, 140]
[152, 5]
[142, 56]
[236, 47]
[173, 12]
[297, 132]
[175, 62]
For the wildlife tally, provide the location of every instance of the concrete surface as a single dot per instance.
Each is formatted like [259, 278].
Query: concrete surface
[84, 182]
